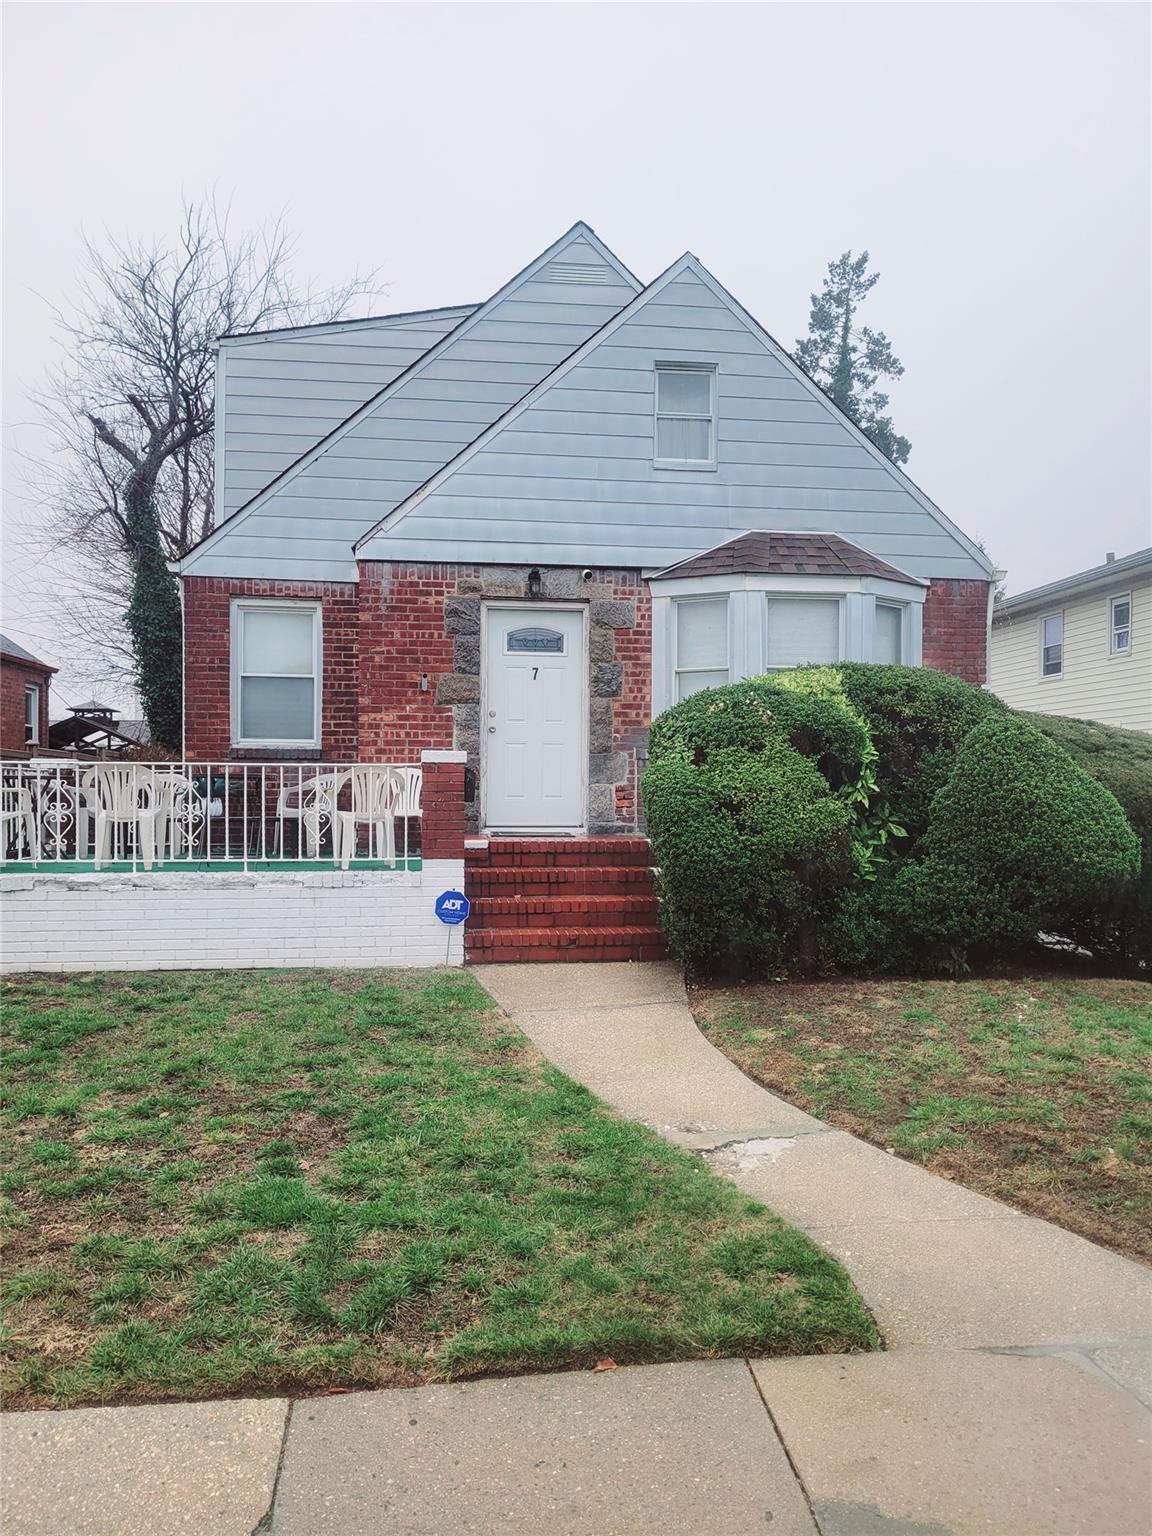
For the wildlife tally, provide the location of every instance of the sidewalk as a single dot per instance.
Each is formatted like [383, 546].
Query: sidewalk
[1014, 1400]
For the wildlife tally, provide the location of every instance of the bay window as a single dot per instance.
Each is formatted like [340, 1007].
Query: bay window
[888, 645]
[701, 644]
[802, 631]
[276, 673]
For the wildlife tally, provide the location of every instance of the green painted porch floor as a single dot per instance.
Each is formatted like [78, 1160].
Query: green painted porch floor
[203, 866]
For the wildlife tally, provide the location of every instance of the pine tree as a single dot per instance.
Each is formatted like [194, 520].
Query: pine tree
[848, 362]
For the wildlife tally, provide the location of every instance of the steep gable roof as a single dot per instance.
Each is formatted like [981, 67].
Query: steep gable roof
[787, 554]
[319, 504]
[562, 537]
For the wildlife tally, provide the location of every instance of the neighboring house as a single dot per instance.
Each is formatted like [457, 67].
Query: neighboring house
[24, 684]
[1081, 646]
[520, 528]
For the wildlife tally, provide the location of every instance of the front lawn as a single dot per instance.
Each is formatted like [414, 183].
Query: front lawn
[1036, 1091]
[237, 1183]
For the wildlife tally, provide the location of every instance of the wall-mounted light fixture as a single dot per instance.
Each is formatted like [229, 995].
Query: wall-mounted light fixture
[533, 583]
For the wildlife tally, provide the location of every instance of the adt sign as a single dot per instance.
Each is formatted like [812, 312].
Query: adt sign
[452, 906]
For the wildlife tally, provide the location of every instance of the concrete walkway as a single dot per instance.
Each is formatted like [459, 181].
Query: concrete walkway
[1014, 1400]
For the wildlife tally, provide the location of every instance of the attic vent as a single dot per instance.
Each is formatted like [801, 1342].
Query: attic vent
[575, 272]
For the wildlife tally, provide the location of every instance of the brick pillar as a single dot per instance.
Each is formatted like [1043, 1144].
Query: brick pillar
[442, 805]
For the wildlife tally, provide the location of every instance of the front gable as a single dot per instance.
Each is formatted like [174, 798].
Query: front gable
[568, 475]
[303, 524]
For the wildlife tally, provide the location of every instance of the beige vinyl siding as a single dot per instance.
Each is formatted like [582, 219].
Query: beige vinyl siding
[1094, 684]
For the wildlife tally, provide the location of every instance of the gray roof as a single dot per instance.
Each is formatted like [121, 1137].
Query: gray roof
[10, 648]
[1137, 564]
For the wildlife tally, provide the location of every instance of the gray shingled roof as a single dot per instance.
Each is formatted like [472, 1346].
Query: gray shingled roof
[10, 648]
[788, 554]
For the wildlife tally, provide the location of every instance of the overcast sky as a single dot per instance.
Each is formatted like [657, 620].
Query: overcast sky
[993, 158]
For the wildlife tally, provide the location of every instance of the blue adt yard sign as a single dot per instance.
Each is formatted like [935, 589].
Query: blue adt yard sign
[452, 906]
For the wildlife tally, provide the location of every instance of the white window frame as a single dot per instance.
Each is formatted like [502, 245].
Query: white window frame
[243, 605]
[1056, 613]
[32, 726]
[903, 610]
[691, 465]
[1113, 648]
[677, 670]
[806, 597]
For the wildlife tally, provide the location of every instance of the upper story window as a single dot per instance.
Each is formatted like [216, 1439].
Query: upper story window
[276, 674]
[685, 416]
[1120, 625]
[1052, 645]
[32, 714]
[888, 645]
[802, 631]
[701, 644]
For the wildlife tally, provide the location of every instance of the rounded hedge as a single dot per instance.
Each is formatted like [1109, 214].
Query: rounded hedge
[1021, 842]
[917, 719]
[752, 848]
[746, 716]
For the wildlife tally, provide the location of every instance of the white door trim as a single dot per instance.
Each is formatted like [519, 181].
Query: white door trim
[538, 606]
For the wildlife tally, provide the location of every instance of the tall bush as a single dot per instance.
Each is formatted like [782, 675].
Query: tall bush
[1021, 842]
[1122, 762]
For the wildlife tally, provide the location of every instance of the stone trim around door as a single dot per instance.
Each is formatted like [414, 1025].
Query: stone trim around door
[619, 676]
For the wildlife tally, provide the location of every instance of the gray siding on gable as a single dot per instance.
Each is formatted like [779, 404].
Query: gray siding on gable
[570, 480]
[278, 394]
[305, 528]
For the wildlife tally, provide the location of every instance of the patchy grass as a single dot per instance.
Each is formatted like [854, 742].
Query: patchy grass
[1037, 1091]
[251, 1182]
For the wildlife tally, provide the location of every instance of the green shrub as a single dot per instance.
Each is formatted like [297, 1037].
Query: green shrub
[1021, 842]
[745, 716]
[1122, 762]
[918, 719]
[752, 848]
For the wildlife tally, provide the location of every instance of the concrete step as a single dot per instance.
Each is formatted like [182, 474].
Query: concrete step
[517, 946]
[610, 910]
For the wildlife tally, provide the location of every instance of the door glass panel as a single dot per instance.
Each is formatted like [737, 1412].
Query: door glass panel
[536, 640]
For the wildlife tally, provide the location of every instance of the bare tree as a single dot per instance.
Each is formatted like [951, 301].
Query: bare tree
[131, 411]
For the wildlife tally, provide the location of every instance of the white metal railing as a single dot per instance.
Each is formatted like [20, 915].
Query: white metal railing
[112, 815]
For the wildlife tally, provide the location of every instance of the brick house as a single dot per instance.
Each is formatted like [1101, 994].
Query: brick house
[24, 685]
[520, 528]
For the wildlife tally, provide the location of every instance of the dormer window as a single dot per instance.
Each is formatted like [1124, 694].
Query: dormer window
[685, 416]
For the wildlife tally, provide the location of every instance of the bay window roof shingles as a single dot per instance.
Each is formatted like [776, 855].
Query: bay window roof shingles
[788, 554]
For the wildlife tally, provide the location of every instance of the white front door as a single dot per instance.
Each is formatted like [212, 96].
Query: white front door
[532, 720]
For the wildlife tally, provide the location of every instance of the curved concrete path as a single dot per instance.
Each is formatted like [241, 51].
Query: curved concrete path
[956, 1281]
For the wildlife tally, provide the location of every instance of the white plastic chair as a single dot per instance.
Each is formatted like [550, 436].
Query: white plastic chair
[18, 822]
[377, 792]
[129, 798]
[312, 803]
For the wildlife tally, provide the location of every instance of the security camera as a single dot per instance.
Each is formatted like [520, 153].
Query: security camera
[586, 574]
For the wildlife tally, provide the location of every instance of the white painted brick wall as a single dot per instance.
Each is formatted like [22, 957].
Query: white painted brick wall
[149, 922]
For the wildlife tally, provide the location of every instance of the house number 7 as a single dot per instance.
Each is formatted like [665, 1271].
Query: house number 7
[535, 673]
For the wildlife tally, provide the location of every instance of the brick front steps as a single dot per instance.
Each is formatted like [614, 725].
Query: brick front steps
[549, 899]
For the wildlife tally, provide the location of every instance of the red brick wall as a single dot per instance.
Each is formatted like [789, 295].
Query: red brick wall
[633, 711]
[207, 648]
[401, 639]
[956, 628]
[15, 675]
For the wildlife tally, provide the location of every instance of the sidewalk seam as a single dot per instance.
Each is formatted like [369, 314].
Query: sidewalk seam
[793, 1468]
[264, 1525]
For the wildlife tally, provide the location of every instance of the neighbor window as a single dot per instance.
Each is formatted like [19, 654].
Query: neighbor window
[685, 415]
[276, 674]
[701, 644]
[1052, 645]
[32, 714]
[1120, 629]
[802, 630]
[889, 633]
